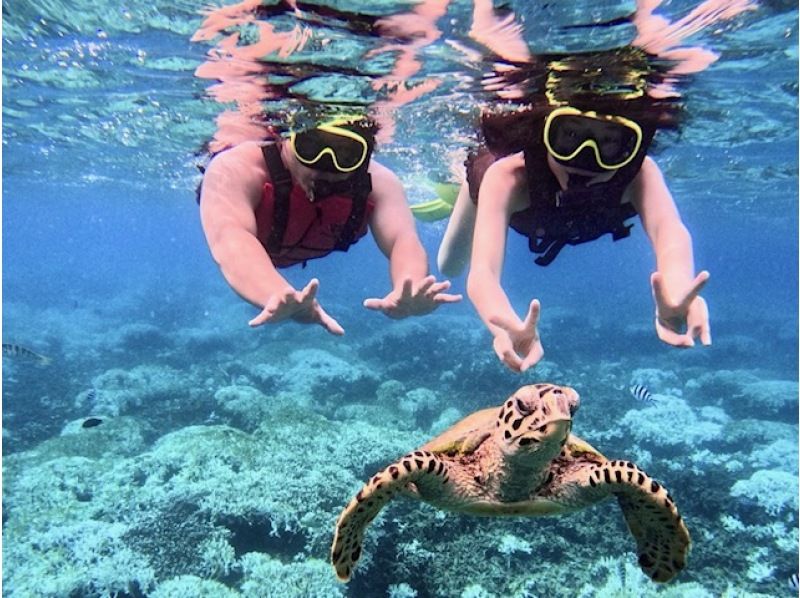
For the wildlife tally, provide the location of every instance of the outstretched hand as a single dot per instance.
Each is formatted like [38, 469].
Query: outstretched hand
[679, 322]
[300, 306]
[516, 342]
[413, 301]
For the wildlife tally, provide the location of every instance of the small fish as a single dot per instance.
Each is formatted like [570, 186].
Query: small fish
[794, 582]
[640, 393]
[12, 350]
[91, 422]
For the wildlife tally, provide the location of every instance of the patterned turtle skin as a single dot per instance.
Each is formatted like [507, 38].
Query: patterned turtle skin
[520, 459]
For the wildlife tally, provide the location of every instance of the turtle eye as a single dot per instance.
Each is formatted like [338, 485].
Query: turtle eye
[523, 408]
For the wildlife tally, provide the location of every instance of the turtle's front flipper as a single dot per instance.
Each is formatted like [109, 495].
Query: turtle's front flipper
[420, 467]
[662, 540]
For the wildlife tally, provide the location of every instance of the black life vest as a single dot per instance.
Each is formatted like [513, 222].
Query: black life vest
[556, 218]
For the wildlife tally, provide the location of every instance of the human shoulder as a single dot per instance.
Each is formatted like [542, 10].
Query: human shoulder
[507, 172]
[238, 173]
[385, 182]
[649, 166]
[382, 174]
[247, 155]
[510, 169]
[649, 191]
[505, 183]
[649, 175]
[510, 162]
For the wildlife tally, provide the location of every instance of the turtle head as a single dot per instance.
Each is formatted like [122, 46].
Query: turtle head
[536, 419]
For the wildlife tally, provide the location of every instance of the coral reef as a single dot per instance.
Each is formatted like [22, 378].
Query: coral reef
[223, 474]
[771, 490]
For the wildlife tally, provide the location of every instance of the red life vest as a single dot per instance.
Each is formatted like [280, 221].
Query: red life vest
[311, 229]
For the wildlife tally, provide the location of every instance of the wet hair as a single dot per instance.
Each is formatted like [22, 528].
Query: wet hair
[506, 132]
[613, 82]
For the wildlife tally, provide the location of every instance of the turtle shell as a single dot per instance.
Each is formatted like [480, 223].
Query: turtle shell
[464, 436]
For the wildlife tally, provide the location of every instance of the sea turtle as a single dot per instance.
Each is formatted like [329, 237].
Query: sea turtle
[520, 459]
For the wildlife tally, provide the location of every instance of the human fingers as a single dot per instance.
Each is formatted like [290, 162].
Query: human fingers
[438, 287]
[308, 292]
[263, 316]
[267, 313]
[699, 321]
[697, 285]
[425, 285]
[705, 334]
[657, 284]
[505, 323]
[673, 338]
[533, 314]
[506, 354]
[512, 361]
[375, 303]
[447, 298]
[328, 322]
[702, 332]
[533, 357]
[406, 290]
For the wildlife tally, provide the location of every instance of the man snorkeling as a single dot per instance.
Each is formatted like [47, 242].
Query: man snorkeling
[575, 171]
[269, 206]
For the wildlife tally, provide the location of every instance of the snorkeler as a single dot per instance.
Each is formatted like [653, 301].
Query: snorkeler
[577, 170]
[274, 205]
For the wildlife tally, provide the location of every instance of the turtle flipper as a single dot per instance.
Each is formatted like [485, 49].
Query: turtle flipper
[419, 467]
[662, 540]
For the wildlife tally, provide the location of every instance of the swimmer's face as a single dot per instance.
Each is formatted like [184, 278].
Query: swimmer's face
[589, 141]
[610, 138]
[314, 183]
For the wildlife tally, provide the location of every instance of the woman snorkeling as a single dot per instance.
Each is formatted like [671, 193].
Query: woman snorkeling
[564, 173]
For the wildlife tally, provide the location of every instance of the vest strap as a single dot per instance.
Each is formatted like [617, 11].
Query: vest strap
[282, 185]
[577, 215]
[549, 249]
[362, 187]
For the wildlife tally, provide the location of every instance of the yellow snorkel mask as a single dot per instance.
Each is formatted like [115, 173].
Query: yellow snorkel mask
[340, 145]
[614, 140]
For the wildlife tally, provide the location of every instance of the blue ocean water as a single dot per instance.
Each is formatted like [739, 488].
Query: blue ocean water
[225, 454]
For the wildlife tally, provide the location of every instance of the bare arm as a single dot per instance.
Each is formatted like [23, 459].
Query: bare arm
[670, 239]
[456, 245]
[496, 204]
[681, 314]
[232, 188]
[503, 191]
[393, 227]
[413, 292]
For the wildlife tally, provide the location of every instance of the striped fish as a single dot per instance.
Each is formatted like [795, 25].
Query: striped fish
[12, 350]
[640, 393]
[794, 583]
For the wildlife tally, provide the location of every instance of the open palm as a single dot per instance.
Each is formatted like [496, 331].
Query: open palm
[300, 306]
